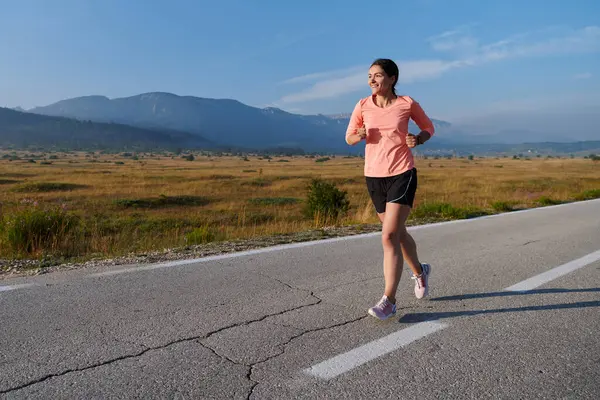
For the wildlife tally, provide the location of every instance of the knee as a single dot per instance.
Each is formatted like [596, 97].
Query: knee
[393, 238]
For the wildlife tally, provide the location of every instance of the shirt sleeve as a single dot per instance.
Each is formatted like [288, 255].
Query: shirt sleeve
[420, 118]
[356, 120]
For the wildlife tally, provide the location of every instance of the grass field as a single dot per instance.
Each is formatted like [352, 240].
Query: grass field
[81, 205]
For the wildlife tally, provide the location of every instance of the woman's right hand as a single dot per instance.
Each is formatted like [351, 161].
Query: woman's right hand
[361, 132]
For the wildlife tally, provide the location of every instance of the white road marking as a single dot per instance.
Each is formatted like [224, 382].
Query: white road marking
[15, 287]
[354, 358]
[554, 273]
[345, 362]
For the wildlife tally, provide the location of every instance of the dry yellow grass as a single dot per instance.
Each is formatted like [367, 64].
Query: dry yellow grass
[225, 186]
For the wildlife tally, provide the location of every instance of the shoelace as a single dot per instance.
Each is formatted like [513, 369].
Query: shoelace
[382, 303]
[420, 280]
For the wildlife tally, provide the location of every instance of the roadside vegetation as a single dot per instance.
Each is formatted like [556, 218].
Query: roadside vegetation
[66, 206]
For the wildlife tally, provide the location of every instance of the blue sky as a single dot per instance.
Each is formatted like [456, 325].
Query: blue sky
[458, 58]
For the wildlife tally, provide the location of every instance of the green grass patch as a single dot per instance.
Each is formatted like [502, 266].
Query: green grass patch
[588, 195]
[204, 234]
[259, 182]
[162, 201]
[273, 201]
[8, 181]
[216, 177]
[547, 201]
[445, 211]
[502, 206]
[38, 187]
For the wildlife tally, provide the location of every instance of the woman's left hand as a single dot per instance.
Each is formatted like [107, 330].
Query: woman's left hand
[411, 140]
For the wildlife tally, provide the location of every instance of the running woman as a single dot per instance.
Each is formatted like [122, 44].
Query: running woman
[391, 177]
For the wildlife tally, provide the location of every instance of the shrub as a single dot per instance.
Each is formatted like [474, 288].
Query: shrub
[325, 200]
[33, 230]
[322, 159]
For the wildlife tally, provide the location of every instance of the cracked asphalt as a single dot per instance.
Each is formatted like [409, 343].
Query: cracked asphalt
[246, 327]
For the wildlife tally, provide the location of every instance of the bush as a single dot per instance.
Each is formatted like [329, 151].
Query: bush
[325, 200]
[35, 230]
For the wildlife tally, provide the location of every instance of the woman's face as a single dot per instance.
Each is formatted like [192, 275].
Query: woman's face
[379, 82]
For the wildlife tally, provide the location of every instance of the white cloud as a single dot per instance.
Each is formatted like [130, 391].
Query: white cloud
[320, 75]
[335, 83]
[457, 40]
[585, 75]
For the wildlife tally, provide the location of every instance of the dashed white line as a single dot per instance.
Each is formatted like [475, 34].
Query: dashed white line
[554, 273]
[14, 287]
[345, 362]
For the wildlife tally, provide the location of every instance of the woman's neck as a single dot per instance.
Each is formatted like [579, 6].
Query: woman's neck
[384, 100]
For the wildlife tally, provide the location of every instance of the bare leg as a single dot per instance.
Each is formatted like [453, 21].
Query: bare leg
[397, 244]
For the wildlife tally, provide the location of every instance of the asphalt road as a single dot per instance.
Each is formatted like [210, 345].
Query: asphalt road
[291, 322]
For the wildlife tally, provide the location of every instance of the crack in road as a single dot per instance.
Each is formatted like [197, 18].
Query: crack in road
[198, 340]
[284, 348]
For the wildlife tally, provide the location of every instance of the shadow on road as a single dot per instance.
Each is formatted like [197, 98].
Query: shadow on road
[421, 317]
[507, 293]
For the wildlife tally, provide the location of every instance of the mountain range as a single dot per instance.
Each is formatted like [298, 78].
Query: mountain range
[168, 120]
[223, 121]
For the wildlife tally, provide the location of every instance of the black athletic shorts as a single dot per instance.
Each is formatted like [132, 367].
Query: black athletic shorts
[393, 189]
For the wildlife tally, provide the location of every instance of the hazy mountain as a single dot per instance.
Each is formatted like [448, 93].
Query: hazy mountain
[21, 129]
[231, 123]
[223, 121]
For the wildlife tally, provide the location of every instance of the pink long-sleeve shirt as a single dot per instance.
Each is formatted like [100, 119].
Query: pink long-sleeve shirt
[386, 152]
